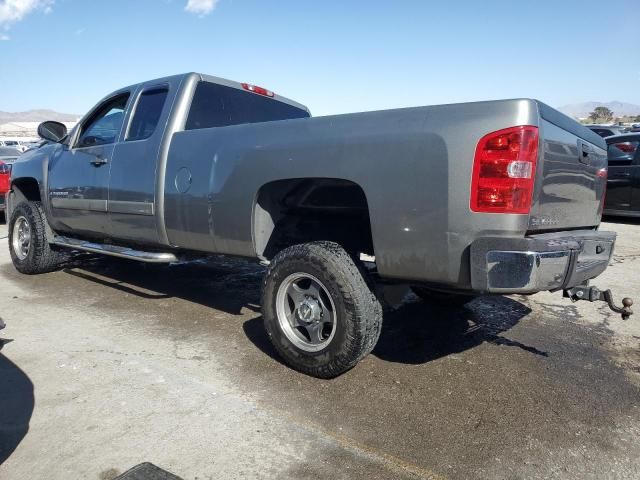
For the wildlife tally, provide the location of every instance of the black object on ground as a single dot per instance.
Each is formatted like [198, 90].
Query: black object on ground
[147, 471]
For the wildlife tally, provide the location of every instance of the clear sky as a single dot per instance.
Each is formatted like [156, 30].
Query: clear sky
[335, 56]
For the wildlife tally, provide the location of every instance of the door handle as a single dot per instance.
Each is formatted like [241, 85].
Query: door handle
[99, 161]
[585, 154]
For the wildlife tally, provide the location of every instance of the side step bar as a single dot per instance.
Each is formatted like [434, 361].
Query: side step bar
[114, 250]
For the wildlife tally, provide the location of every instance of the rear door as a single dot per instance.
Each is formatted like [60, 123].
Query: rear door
[132, 184]
[623, 168]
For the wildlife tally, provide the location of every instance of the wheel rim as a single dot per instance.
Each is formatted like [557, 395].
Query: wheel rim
[21, 238]
[306, 312]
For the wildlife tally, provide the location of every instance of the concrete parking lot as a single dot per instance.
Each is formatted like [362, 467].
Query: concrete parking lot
[107, 364]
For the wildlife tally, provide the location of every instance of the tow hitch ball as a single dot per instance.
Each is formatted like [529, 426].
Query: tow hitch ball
[594, 294]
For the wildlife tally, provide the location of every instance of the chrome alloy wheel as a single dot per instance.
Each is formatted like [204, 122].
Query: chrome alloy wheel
[21, 239]
[306, 312]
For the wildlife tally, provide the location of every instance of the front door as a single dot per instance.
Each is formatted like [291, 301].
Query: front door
[78, 184]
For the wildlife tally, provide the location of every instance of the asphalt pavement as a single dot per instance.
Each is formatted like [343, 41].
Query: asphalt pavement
[106, 364]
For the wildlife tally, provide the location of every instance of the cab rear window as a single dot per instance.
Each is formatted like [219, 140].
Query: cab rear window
[216, 105]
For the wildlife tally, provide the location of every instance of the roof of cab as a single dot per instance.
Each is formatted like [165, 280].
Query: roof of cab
[238, 85]
[214, 79]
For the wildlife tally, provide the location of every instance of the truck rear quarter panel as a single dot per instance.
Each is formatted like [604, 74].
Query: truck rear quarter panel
[414, 166]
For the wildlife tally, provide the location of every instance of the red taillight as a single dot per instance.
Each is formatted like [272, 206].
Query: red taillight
[504, 171]
[5, 170]
[258, 90]
[602, 173]
[626, 147]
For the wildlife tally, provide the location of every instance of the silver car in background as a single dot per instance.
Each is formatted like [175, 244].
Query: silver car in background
[9, 155]
[607, 130]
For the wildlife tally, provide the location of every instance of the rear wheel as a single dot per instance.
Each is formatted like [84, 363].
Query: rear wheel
[30, 251]
[319, 312]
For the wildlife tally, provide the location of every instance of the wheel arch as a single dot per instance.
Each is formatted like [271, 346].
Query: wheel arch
[23, 189]
[27, 189]
[299, 210]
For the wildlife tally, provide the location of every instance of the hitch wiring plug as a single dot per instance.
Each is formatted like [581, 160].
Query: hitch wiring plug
[594, 294]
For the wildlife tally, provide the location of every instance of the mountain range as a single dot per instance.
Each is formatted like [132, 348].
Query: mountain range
[582, 110]
[37, 116]
[576, 110]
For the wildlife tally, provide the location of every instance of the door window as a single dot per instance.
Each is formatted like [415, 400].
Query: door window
[147, 114]
[104, 125]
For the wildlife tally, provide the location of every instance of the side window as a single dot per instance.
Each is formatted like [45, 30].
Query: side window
[147, 114]
[216, 105]
[104, 125]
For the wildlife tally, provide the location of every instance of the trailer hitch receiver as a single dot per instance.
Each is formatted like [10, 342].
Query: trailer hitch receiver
[594, 294]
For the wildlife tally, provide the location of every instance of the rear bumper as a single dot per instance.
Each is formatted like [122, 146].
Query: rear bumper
[551, 261]
[3, 201]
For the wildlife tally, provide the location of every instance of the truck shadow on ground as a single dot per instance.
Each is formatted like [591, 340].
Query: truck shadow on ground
[16, 405]
[225, 284]
[413, 333]
[417, 332]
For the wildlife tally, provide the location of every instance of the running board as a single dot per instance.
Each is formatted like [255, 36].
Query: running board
[114, 250]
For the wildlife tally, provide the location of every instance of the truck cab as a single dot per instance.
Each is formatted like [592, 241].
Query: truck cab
[106, 180]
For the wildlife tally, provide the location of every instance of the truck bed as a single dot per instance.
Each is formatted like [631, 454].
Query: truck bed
[414, 166]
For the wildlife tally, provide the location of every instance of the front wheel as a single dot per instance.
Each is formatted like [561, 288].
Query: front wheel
[30, 251]
[319, 312]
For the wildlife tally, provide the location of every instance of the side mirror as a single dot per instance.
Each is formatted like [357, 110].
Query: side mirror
[52, 131]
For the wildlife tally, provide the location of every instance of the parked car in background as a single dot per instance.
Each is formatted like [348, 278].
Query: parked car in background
[607, 130]
[5, 174]
[623, 184]
[9, 154]
[20, 145]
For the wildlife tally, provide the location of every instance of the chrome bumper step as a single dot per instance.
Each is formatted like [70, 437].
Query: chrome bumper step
[114, 250]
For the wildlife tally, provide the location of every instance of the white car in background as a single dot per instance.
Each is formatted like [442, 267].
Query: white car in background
[9, 155]
[20, 145]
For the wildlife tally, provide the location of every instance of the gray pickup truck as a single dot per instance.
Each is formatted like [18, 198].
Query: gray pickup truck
[454, 200]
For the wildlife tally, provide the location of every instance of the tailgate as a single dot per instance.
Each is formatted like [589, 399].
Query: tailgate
[570, 182]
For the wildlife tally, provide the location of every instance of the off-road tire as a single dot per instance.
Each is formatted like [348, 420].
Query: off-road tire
[442, 299]
[358, 312]
[41, 258]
